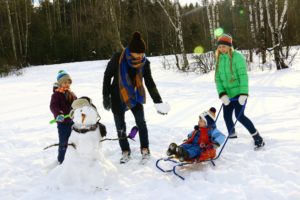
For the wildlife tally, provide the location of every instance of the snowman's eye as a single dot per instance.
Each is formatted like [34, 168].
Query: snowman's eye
[80, 110]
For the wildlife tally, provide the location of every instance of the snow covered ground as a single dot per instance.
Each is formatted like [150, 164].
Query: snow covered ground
[240, 173]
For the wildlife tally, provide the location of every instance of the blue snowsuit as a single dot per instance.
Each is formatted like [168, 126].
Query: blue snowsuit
[193, 147]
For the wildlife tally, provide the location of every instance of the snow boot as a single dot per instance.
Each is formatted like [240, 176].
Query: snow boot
[145, 155]
[172, 149]
[232, 135]
[183, 155]
[125, 157]
[258, 141]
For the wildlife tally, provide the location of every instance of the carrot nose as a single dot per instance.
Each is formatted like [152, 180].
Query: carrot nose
[83, 117]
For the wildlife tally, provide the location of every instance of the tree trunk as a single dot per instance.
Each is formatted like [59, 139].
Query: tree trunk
[251, 55]
[18, 32]
[217, 16]
[142, 18]
[210, 23]
[180, 37]
[54, 14]
[262, 32]
[11, 32]
[49, 22]
[270, 22]
[213, 14]
[251, 22]
[65, 16]
[277, 33]
[178, 30]
[27, 21]
[58, 14]
[117, 38]
[276, 14]
[255, 11]
[1, 45]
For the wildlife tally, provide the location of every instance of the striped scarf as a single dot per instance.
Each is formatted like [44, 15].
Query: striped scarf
[131, 92]
[70, 96]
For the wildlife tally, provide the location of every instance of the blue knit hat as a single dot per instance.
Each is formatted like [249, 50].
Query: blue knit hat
[209, 117]
[63, 76]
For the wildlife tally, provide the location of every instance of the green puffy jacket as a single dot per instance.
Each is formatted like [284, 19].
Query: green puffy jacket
[228, 84]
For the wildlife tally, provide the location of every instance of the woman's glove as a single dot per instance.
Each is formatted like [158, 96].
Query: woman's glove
[225, 100]
[242, 99]
[106, 102]
[162, 108]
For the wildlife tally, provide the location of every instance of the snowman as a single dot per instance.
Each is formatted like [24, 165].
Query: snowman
[86, 134]
[84, 166]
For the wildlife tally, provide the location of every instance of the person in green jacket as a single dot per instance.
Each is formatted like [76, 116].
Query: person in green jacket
[232, 86]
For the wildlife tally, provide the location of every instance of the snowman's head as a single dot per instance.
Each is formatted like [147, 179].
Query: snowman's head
[84, 113]
[85, 116]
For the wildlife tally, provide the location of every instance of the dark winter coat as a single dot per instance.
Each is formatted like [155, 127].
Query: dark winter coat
[111, 88]
[60, 105]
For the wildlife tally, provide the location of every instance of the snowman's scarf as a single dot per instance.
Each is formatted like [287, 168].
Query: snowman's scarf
[85, 130]
[101, 126]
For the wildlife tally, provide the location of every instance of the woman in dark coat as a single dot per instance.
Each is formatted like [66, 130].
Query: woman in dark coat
[126, 92]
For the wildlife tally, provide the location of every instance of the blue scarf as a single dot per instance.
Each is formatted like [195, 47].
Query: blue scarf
[131, 92]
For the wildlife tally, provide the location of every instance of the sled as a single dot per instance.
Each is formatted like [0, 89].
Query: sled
[177, 163]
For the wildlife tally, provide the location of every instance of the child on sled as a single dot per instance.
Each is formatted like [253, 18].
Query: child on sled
[201, 143]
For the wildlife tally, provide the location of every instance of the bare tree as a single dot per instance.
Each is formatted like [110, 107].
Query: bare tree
[65, 15]
[252, 28]
[217, 15]
[212, 9]
[210, 23]
[16, 13]
[49, 22]
[114, 22]
[56, 5]
[28, 23]
[262, 32]
[11, 31]
[276, 32]
[178, 30]
[255, 11]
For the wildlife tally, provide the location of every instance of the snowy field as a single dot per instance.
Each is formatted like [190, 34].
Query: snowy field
[240, 173]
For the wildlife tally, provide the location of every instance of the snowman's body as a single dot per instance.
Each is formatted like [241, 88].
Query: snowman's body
[84, 166]
[85, 135]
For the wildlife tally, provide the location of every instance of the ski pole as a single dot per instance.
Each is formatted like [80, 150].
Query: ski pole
[54, 120]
